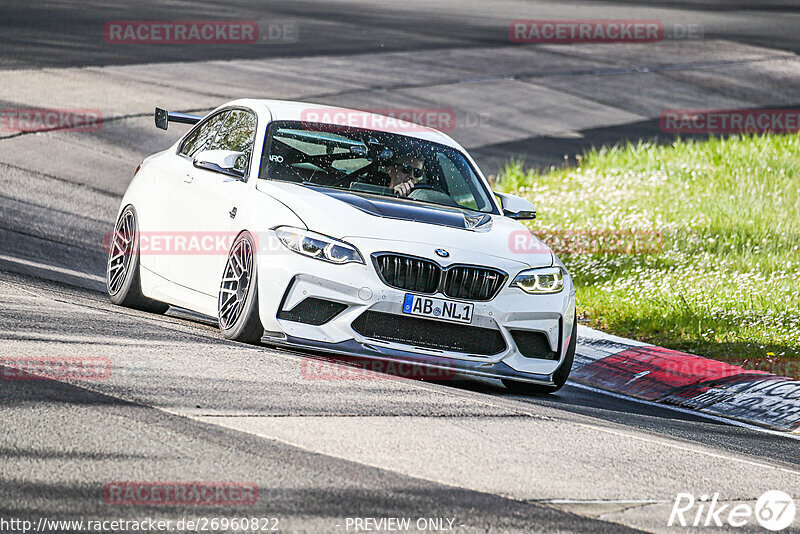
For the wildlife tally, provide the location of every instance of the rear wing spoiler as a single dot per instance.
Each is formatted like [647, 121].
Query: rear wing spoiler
[164, 117]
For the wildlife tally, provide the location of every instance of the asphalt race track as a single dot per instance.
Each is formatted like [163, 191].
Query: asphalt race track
[183, 404]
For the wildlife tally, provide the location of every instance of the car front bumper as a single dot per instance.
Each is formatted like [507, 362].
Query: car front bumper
[286, 279]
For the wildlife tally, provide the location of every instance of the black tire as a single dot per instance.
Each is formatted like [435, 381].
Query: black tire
[123, 282]
[237, 304]
[559, 377]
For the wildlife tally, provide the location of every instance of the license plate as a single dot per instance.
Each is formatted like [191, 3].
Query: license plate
[446, 310]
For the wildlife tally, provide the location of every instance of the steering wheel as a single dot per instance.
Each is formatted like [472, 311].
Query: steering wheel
[419, 187]
[353, 175]
[430, 193]
[424, 186]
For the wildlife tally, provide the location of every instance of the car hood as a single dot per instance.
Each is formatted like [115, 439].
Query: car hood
[344, 215]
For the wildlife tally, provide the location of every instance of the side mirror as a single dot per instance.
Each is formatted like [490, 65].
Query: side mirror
[516, 207]
[162, 119]
[221, 161]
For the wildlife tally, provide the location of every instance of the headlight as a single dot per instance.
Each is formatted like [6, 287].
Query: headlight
[540, 281]
[317, 245]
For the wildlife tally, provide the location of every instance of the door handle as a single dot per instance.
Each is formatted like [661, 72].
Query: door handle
[188, 178]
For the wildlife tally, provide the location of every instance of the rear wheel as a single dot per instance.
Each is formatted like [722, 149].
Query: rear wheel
[559, 377]
[237, 305]
[123, 282]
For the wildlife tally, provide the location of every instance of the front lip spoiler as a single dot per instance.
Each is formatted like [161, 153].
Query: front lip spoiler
[497, 371]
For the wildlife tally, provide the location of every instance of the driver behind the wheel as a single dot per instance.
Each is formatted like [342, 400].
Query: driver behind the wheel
[404, 174]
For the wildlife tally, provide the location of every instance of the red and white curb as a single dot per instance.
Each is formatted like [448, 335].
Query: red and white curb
[665, 376]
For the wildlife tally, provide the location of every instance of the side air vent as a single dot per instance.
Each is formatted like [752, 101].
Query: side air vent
[533, 345]
[313, 311]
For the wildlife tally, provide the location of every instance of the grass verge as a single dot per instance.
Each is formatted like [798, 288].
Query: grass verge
[693, 246]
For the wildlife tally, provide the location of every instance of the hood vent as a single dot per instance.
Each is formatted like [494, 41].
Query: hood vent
[407, 211]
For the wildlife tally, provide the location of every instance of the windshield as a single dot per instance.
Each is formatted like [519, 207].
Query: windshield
[373, 163]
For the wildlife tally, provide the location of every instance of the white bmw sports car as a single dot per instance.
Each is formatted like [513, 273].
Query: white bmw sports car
[384, 242]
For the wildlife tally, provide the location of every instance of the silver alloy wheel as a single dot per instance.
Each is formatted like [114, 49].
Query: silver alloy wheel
[235, 283]
[120, 252]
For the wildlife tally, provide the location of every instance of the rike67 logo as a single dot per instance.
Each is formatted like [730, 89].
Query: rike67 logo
[775, 510]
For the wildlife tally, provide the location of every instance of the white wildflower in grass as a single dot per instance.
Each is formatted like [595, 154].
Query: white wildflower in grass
[725, 213]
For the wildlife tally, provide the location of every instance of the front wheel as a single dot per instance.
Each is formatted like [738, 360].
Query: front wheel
[123, 282]
[237, 305]
[559, 377]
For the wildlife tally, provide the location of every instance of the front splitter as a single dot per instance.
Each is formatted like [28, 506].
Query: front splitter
[497, 370]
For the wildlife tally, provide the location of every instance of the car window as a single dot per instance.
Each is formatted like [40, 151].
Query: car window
[458, 189]
[202, 136]
[369, 162]
[237, 133]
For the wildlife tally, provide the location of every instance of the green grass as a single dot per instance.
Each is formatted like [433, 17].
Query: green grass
[716, 269]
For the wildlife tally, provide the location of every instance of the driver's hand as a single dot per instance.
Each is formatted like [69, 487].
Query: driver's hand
[404, 188]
